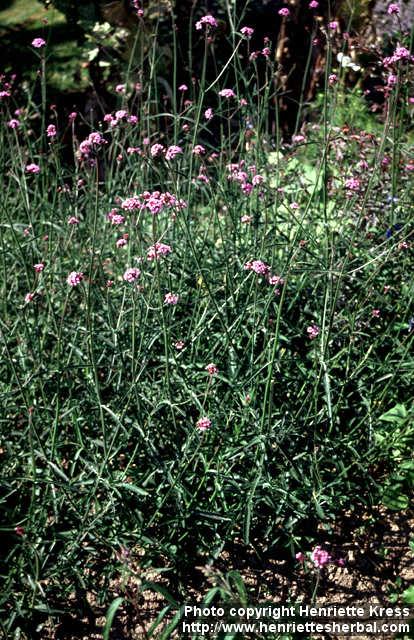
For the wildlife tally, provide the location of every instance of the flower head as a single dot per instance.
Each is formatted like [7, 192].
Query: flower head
[131, 274]
[284, 12]
[227, 93]
[393, 9]
[199, 150]
[208, 20]
[258, 266]
[352, 184]
[38, 43]
[203, 424]
[32, 168]
[130, 204]
[39, 267]
[320, 557]
[171, 298]
[247, 32]
[173, 151]
[51, 131]
[212, 368]
[313, 331]
[74, 278]
[156, 150]
[157, 250]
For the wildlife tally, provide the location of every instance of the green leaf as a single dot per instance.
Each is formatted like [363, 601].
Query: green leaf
[394, 498]
[110, 615]
[408, 595]
[131, 487]
[397, 414]
[235, 577]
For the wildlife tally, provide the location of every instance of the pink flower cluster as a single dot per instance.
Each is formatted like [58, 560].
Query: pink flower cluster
[208, 21]
[157, 150]
[32, 168]
[171, 298]
[199, 150]
[262, 269]
[74, 278]
[313, 331]
[120, 116]
[258, 266]
[115, 218]
[247, 32]
[173, 151]
[393, 9]
[203, 423]
[352, 185]
[131, 204]
[93, 141]
[131, 274]
[400, 53]
[158, 250]
[227, 93]
[248, 179]
[155, 202]
[320, 557]
[38, 43]
[51, 131]
[212, 369]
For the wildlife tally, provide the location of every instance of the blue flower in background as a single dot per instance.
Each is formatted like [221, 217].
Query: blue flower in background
[390, 231]
[392, 199]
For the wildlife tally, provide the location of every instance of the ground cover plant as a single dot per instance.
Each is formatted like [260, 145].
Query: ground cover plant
[206, 317]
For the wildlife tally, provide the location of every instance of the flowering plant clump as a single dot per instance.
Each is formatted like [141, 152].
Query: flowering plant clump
[207, 315]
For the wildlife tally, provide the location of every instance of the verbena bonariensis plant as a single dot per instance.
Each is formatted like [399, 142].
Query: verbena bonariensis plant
[201, 324]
